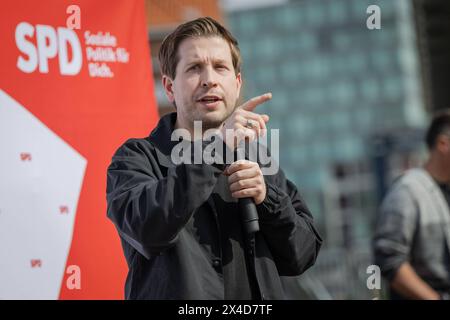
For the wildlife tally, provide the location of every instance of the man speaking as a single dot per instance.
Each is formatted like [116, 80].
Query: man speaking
[181, 224]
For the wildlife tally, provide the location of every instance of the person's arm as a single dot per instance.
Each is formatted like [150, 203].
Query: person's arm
[287, 226]
[407, 283]
[149, 212]
[396, 225]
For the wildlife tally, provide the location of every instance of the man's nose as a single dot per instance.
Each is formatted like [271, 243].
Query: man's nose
[208, 79]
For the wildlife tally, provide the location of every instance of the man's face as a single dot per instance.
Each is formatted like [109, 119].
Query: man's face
[441, 152]
[444, 148]
[205, 87]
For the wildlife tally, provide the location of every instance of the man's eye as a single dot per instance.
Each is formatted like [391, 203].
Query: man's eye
[221, 67]
[194, 67]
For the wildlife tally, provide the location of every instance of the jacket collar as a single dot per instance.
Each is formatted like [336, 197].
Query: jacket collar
[160, 136]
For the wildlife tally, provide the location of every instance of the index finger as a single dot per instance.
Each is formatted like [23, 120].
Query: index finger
[251, 104]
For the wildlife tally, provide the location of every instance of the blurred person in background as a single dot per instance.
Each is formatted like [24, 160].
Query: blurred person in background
[179, 224]
[412, 236]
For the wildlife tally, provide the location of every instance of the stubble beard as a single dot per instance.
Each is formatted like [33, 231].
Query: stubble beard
[212, 123]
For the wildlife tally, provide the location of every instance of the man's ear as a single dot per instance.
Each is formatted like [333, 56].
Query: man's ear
[443, 143]
[238, 83]
[168, 87]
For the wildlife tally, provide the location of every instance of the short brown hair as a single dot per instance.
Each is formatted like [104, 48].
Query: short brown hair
[439, 125]
[201, 27]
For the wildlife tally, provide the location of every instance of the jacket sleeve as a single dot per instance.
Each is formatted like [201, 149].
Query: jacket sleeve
[149, 212]
[288, 228]
[395, 230]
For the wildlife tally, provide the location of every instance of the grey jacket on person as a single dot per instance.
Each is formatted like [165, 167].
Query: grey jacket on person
[414, 226]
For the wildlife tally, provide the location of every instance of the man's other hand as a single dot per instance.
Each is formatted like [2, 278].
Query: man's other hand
[246, 180]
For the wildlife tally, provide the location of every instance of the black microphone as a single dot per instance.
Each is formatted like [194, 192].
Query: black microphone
[249, 215]
[247, 208]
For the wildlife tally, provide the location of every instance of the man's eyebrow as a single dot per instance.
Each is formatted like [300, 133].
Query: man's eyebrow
[197, 61]
[222, 61]
[201, 62]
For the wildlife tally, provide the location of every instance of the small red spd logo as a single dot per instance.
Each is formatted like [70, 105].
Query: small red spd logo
[25, 156]
[63, 209]
[36, 263]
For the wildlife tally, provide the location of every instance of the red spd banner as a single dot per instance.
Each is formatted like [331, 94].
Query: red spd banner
[75, 83]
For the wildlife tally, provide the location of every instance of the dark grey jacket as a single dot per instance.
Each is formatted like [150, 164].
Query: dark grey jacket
[414, 226]
[166, 218]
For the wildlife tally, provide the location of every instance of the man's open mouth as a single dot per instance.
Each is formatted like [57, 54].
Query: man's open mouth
[209, 99]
